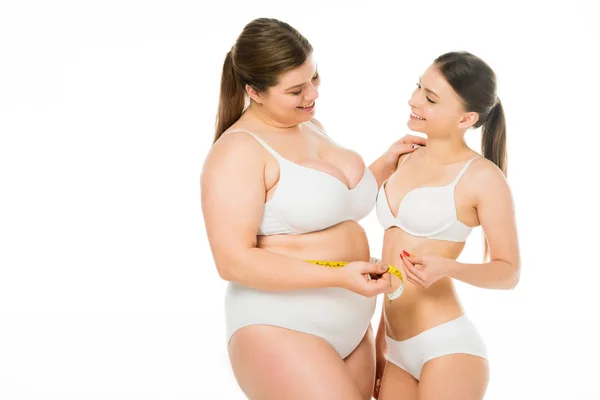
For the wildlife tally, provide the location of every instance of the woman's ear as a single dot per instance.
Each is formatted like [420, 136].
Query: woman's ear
[468, 120]
[253, 94]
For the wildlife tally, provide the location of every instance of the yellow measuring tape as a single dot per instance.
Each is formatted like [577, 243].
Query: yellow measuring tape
[339, 264]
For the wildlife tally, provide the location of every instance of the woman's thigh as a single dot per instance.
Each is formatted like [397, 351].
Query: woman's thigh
[455, 376]
[397, 384]
[361, 365]
[276, 363]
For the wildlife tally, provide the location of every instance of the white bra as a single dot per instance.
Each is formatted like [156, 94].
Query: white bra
[428, 212]
[309, 200]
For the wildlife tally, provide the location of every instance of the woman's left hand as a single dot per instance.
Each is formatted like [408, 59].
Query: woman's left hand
[407, 144]
[425, 270]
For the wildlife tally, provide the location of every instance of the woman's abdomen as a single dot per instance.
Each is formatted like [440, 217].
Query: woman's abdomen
[346, 241]
[337, 315]
[418, 308]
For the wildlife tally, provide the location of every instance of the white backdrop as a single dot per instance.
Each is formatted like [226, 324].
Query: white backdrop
[107, 286]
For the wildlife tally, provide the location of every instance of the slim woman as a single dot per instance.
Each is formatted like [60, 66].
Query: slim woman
[426, 345]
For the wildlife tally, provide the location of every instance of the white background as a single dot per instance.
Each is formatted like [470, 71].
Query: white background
[107, 286]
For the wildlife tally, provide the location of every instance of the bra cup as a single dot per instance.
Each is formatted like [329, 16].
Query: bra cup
[364, 197]
[308, 201]
[427, 211]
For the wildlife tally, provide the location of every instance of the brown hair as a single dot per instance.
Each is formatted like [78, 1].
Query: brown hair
[264, 50]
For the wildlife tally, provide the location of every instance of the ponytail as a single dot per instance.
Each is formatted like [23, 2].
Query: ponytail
[231, 98]
[493, 146]
[493, 138]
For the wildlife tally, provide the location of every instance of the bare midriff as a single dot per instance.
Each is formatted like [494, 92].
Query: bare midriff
[418, 308]
[346, 241]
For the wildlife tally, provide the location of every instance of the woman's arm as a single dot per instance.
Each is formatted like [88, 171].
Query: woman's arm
[233, 196]
[495, 211]
[386, 165]
[497, 218]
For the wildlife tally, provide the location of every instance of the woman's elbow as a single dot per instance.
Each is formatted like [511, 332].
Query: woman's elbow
[228, 267]
[515, 276]
[225, 272]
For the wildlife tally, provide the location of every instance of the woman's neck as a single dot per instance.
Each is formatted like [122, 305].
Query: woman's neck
[258, 116]
[446, 150]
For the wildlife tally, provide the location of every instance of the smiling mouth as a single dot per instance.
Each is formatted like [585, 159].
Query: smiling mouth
[415, 116]
[308, 106]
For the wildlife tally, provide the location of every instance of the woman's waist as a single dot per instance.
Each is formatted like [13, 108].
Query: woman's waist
[418, 308]
[346, 241]
[414, 295]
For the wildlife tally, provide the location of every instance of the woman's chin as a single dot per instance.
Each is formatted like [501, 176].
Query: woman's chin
[415, 126]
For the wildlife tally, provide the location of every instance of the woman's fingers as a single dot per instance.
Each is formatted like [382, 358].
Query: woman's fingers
[414, 139]
[413, 279]
[412, 273]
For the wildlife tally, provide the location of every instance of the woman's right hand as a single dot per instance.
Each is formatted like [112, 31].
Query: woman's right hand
[357, 277]
[407, 144]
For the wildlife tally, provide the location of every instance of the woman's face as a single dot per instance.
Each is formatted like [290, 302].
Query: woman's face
[436, 109]
[292, 100]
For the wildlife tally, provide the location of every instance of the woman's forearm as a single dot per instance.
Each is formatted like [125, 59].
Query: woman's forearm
[263, 270]
[381, 170]
[491, 275]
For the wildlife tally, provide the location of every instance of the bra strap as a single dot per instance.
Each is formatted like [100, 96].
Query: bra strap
[463, 170]
[403, 161]
[259, 140]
